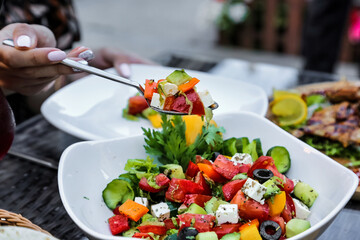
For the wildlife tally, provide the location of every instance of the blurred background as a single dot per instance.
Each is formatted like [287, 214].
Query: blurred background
[295, 33]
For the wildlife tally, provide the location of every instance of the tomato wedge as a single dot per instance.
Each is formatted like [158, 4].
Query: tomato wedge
[118, 224]
[227, 168]
[161, 180]
[200, 179]
[180, 104]
[202, 222]
[178, 188]
[199, 199]
[231, 188]
[137, 104]
[192, 170]
[250, 209]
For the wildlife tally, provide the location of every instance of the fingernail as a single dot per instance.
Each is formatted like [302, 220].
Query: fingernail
[125, 70]
[56, 56]
[23, 41]
[87, 55]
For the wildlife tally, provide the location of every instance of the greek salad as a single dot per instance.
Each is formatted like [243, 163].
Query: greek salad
[221, 189]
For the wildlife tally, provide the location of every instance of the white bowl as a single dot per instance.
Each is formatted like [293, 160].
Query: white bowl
[85, 169]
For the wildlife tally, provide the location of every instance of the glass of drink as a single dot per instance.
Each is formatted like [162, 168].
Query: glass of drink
[7, 125]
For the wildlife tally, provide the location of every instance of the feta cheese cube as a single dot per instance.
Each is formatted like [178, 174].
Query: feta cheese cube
[206, 98]
[302, 211]
[227, 213]
[161, 211]
[142, 201]
[155, 101]
[170, 89]
[242, 158]
[254, 190]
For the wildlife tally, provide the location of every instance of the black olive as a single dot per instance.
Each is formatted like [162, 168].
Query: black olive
[187, 233]
[262, 175]
[215, 155]
[270, 230]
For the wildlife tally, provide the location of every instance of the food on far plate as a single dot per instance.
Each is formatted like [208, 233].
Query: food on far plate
[207, 188]
[325, 116]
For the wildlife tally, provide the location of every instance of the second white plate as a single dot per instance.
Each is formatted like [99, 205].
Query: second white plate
[91, 108]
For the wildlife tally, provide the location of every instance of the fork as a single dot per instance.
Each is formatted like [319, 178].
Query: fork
[113, 77]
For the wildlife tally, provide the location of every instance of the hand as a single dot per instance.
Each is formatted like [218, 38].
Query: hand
[33, 63]
[119, 59]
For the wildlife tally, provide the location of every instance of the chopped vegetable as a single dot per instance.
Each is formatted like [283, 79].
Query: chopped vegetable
[133, 210]
[189, 85]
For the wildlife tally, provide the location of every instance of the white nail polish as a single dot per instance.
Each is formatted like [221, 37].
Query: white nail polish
[82, 62]
[87, 55]
[125, 70]
[23, 41]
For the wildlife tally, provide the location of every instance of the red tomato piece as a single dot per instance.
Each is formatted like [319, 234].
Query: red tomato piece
[279, 220]
[156, 229]
[227, 168]
[118, 224]
[199, 199]
[231, 188]
[267, 162]
[202, 222]
[200, 179]
[249, 208]
[169, 101]
[180, 104]
[178, 188]
[224, 229]
[137, 104]
[289, 211]
[192, 169]
[142, 235]
[161, 180]
[169, 223]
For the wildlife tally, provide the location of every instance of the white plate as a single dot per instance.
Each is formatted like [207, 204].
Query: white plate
[267, 76]
[86, 168]
[91, 108]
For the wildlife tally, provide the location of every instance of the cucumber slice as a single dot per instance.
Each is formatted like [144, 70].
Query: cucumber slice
[196, 209]
[296, 226]
[178, 77]
[173, 208]
[231, 236]
[281, 158]
[206, 236]
[229, 147]
[305, 193]
[241, 144]
[117, 191]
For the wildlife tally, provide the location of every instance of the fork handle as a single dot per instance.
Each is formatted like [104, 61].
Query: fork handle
[74, 64]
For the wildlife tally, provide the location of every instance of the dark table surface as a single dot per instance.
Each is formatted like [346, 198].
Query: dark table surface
[31, 189]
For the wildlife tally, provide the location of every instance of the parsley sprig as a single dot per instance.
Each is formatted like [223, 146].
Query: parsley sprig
[169, 144]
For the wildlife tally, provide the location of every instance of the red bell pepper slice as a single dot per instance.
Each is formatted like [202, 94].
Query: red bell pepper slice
[202, 222]
[231, 188]
[142, 235]
[199, 199]
[156, 229]
[150, 88]
[118, 224]
[192, 170]
[266, 162]
[224, 229]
